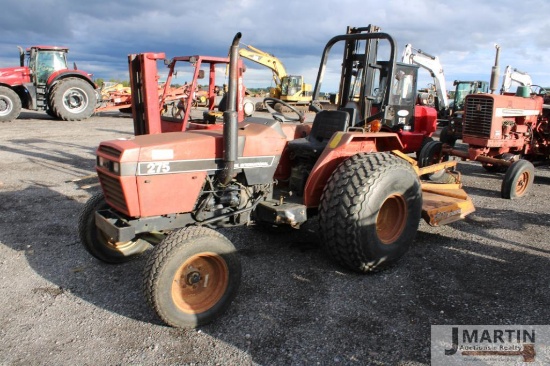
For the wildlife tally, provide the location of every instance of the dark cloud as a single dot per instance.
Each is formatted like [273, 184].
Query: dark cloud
[102, 33]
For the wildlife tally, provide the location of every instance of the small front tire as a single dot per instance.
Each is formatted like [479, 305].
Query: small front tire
[97, 244]
[517, 180]
[192, 277]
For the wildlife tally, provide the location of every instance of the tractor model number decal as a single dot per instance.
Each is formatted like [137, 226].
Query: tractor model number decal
[210, 165]
[160, 167]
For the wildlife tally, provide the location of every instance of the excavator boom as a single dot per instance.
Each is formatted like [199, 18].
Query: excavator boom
[431, 63]
[263, 58]
[514, 75]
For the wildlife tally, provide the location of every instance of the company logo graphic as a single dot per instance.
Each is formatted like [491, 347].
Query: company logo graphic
[499, 342]
[490, 344]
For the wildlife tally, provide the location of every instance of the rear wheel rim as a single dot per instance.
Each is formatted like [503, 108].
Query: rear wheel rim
[200, 282]
[391, 219]
[6, 106]
[75, 100]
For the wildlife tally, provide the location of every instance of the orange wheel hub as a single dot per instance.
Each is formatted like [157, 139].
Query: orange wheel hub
[200, 283]
[391, 219]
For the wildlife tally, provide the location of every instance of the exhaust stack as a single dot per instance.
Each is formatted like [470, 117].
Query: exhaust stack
[230, 118]
[495, 71]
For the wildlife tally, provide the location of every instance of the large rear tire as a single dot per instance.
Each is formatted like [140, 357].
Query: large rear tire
[517, 180]
[97, 244]
[370, 210]
[192, 277]
[10, 104]
[73, 99]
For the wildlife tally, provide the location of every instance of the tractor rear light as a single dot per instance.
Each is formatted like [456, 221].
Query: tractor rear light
[375, 125]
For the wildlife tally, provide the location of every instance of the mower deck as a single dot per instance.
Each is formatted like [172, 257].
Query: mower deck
[445, 202]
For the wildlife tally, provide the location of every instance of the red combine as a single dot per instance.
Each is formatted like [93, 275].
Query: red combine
[170, 190]
[46, 83]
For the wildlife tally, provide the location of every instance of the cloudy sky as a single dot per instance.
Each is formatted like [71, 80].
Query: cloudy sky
[463, 34]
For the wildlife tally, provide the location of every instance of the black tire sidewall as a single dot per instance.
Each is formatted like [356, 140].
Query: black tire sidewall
[95, 245]
[15, 104]
[56, 99]
[394, 182]
[351, 202]
[429, 152]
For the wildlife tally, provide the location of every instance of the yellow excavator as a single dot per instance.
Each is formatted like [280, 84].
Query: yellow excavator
[288, 88]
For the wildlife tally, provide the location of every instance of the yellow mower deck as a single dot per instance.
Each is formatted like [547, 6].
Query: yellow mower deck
[442, 203]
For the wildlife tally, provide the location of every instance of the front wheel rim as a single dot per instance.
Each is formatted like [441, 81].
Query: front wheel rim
[200, 282]
[523, 182]
[75, 100]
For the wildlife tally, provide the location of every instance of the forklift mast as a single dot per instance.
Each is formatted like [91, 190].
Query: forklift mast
[372, 88]
[144, 85]
[148, 100]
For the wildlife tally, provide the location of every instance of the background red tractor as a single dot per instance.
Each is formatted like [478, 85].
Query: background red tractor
[507, 132]
[46, 83]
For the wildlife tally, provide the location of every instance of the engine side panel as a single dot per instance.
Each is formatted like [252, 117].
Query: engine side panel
[169, 193]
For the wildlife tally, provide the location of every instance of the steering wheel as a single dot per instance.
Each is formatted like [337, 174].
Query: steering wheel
[270, 104]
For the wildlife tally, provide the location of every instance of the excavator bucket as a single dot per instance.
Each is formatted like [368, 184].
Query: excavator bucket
[443, 200]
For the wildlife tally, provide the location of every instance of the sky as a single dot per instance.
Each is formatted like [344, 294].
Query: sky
[101, 34]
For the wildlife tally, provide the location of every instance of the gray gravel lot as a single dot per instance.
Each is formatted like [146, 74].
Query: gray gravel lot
[60, 306]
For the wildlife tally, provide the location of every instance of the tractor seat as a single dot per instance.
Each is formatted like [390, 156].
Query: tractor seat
[325, 124]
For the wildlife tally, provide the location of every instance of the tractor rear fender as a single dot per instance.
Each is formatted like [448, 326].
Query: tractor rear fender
[341, 146]
[62, 74]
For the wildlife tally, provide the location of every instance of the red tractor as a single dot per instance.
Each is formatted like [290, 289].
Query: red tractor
[170, 190]
[46, 83]
[504, 132]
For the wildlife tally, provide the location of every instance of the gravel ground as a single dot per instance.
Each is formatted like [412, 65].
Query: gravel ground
[60, 306]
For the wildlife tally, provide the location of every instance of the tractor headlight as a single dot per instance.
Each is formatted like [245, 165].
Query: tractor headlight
[102, 162]
[116, 167]
[112, 166]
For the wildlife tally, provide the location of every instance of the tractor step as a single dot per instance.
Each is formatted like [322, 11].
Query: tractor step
[281, 213]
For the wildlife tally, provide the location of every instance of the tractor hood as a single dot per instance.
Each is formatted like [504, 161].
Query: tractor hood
[169, 169]
[15, 75]
[254, 139]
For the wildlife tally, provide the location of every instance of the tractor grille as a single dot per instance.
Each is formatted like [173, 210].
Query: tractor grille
[112, 190]
[478, 117]
[110, 151]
